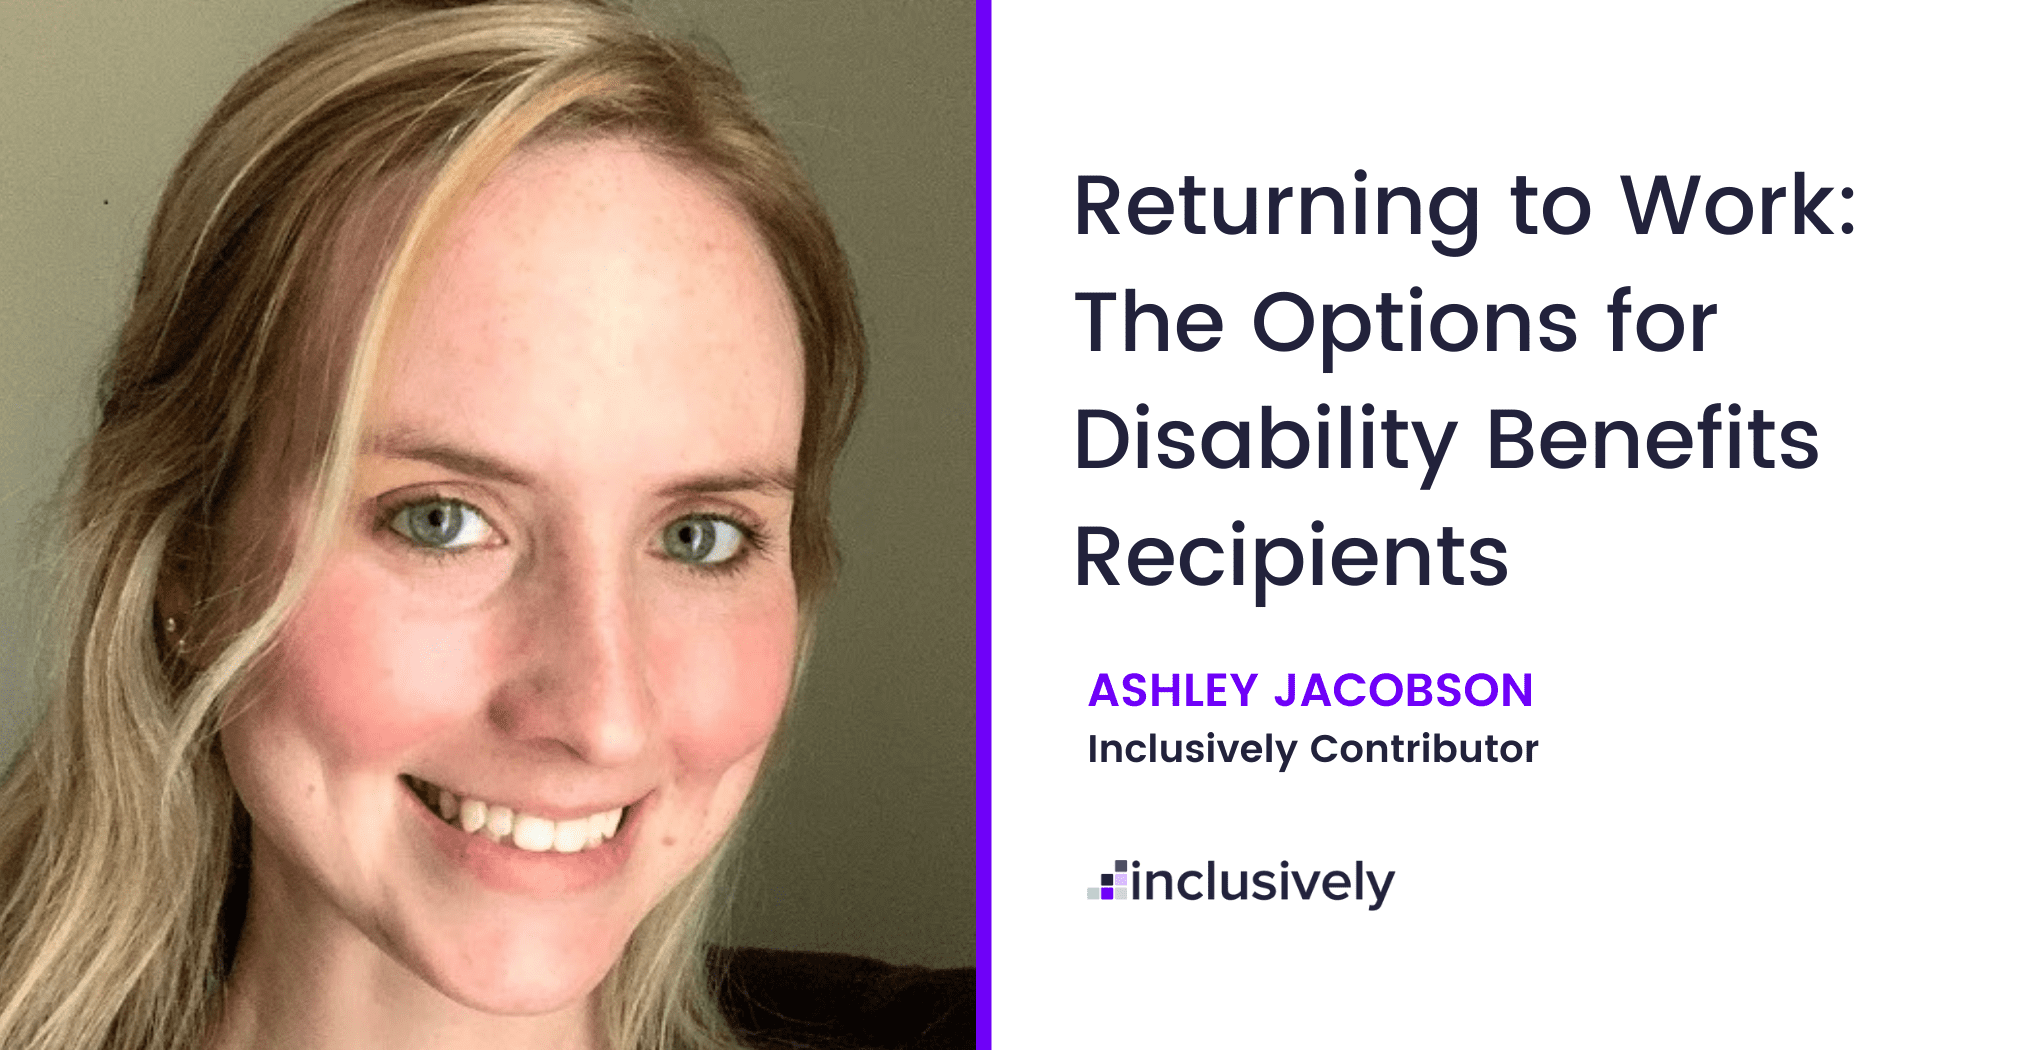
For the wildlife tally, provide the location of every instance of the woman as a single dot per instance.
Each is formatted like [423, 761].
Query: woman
[439, 563]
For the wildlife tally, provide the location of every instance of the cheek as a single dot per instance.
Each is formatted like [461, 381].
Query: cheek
[368, 678]
[723, 675]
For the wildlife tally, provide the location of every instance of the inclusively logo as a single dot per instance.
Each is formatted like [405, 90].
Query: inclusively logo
[1110, 881]
[1126, 881]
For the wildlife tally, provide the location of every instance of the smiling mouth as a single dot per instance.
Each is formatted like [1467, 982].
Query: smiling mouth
[501, 824]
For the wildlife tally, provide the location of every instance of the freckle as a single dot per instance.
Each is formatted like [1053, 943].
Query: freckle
[671, 841]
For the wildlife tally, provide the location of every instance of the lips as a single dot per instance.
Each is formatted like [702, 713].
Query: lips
[524, 831]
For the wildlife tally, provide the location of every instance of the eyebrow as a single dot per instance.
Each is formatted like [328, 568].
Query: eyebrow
[458, 460]
[770, 482]
[478, 465]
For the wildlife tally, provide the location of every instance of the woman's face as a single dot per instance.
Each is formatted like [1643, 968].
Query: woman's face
[529, 686]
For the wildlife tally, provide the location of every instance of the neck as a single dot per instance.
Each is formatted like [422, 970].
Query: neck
[306, 977]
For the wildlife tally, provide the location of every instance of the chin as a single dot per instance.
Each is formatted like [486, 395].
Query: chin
[519, 972]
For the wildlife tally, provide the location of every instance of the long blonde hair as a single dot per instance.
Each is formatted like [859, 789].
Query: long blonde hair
[122, 847]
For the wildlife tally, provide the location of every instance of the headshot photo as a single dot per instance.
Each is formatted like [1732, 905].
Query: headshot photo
[490, 489]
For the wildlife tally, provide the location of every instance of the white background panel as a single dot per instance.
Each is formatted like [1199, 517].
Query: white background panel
[1784, 787]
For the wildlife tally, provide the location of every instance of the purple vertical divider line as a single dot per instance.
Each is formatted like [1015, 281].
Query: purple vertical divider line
[984, 523]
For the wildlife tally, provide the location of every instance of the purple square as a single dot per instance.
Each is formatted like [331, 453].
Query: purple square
[1105, 892]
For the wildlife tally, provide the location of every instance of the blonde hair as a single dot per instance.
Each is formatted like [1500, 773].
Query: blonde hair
[122, 847]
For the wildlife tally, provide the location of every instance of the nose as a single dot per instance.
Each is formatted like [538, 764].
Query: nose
[577, 676]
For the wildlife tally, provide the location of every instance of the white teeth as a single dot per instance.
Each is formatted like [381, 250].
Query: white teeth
[532, 833]
[526, 832]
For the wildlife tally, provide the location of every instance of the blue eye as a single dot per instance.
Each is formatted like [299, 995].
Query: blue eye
[700, 539]
[440, 524]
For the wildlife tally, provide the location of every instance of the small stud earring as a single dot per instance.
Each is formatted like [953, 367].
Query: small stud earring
[178, 642]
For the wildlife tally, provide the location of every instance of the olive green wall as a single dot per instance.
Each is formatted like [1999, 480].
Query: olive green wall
[862, 841]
